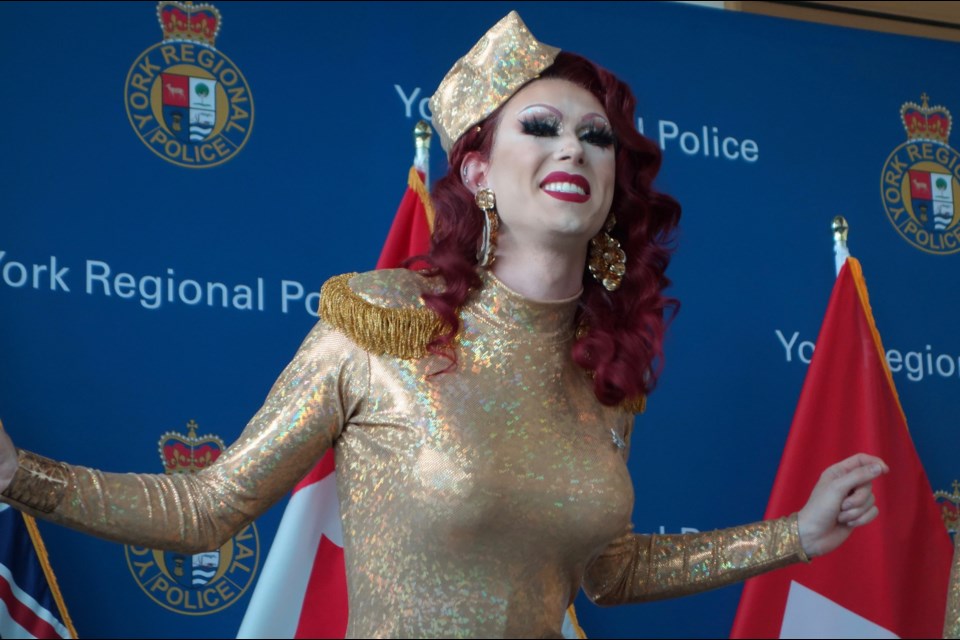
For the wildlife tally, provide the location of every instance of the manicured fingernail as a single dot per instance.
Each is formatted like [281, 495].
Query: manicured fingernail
[876, 469]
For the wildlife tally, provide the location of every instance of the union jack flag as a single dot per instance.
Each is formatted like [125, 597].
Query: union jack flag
[30, 602]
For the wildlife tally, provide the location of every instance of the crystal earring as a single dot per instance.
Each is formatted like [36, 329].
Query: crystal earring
[607, 261]
[487, 201]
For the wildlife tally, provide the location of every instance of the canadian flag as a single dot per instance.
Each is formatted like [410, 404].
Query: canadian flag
[889, 579]
[302, 590]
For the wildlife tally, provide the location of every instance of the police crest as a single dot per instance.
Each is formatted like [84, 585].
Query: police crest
[185, 100]
[200, 583]
[919, 182]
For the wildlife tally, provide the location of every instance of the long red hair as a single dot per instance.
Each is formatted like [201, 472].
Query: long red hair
[622, 338]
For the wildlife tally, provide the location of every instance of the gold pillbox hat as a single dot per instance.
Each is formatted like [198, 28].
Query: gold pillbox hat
[502, 61]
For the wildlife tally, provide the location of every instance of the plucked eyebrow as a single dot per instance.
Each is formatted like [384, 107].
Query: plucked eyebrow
[599, 116]
[557, 113]
[552, 110]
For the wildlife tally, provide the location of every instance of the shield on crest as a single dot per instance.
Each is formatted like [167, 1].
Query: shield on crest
[189, 106]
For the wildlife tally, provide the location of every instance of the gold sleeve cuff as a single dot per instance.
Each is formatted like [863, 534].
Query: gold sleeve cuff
[39, 483]
[795, 530]
[637, 567]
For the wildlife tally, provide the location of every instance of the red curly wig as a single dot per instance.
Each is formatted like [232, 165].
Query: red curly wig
[621, 336]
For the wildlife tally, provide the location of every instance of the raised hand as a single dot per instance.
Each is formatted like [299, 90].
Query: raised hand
[841, 501]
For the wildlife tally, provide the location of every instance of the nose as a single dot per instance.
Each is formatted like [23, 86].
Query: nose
[571, 148]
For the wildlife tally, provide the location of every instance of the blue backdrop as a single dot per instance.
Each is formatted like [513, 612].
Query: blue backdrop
[109, 236]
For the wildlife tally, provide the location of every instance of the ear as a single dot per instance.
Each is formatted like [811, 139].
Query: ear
[473, 171]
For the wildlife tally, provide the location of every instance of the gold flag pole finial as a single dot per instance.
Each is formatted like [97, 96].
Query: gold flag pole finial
[840, 228]
[421, 166]
[841, 253]
[422, 133]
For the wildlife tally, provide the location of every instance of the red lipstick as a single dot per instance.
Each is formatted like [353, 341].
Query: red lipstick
[566, 186]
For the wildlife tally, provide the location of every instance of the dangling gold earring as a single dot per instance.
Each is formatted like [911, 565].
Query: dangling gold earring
[607, 261]
[487, 201]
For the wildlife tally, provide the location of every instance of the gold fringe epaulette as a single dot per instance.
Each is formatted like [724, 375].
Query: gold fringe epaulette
[402, 333]
[635, 405]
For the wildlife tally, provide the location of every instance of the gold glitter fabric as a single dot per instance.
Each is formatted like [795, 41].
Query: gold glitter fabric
[474, 502]
[38, 483]
[502, 61]
[402, 330]
[951, 622]
[635, 568]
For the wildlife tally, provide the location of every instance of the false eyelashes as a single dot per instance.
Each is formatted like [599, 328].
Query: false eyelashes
[547, 126]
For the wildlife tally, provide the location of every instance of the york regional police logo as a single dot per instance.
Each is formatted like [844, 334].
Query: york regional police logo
[187, 101]
[200, 583]
[919, 183]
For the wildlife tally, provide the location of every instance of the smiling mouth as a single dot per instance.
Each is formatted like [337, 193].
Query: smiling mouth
[563, 186]
[567, 191]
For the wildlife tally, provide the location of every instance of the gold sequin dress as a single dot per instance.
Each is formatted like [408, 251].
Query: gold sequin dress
[474, 503]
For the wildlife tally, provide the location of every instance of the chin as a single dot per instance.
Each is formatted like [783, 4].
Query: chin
[578, 226]
[574, 234]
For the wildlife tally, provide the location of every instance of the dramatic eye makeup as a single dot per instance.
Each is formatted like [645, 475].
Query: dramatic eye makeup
[597, 131]
[540, 121]
[543, 121]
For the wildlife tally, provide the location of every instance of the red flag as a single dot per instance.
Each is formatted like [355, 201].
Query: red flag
[412, 226]
[889, 578]
[302, 590]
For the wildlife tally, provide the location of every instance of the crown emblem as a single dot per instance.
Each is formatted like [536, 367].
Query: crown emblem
[184, 21]
[926, 123]
[950, 507]
[189, 453]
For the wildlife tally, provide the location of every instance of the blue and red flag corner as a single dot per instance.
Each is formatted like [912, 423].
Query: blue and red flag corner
[31, 605]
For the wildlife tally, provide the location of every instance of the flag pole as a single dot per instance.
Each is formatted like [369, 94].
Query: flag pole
[840, 251]
[421, 156]
[41, 551]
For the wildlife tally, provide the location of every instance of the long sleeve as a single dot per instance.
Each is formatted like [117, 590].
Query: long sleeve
[637, 567]
[302, 416]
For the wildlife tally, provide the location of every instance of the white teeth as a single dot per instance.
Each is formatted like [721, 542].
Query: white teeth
[564, 187]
